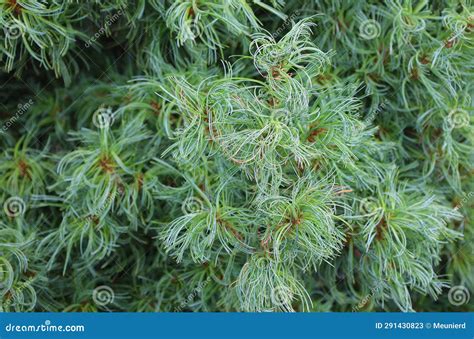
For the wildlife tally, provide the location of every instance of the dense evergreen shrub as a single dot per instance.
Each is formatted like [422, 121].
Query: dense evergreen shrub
[236, 155]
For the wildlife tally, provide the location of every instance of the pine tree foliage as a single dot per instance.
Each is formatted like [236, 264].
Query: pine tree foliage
[238, 155]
